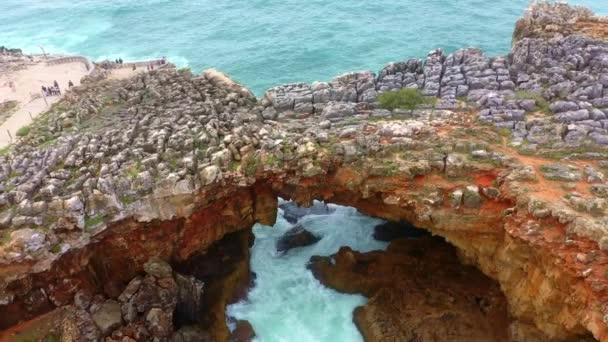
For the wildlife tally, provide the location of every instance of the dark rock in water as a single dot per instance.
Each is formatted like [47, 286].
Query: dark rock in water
[296, 237]
[243, 332]
[390, 231]
[292, 213]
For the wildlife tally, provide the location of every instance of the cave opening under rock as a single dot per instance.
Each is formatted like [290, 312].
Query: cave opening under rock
[365, 279]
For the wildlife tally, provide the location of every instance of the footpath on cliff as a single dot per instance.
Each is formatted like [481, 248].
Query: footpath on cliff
[23, 76]
[505, 157]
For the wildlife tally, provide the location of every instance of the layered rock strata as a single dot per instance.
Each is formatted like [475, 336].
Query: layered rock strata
[167, 163]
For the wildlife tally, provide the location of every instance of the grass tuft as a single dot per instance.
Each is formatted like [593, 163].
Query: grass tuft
[404, 99]
[23, 131]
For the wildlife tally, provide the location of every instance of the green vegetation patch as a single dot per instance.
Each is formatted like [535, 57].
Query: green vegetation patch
[23, 131]
[251, 167]
[404, 99]
[93, 221]
[134, 170]
[5, 150]
[272, 160]
[127, 199]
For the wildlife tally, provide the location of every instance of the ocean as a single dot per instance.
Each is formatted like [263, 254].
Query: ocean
[263, 43]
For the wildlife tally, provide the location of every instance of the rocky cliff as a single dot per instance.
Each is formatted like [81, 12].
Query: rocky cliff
[507, 166]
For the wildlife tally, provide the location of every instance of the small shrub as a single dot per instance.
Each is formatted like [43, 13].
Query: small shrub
[403, 99]
[505, 132]
[252, 166]
[5, 150]
[234, 165]
[23, 131]
[134, 170]
[56, 248]
[127, 199]
[272, 160]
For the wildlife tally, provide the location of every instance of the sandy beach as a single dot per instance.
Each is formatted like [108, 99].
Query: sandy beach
[26, 90]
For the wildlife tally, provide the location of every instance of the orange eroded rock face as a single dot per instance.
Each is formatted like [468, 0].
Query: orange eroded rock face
[553, 280]
[115, 256]
[545, 284]
[418, 290]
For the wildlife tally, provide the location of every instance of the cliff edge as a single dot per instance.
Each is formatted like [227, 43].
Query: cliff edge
[505, 157]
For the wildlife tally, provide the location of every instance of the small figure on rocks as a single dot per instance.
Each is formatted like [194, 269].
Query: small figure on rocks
[70, 84]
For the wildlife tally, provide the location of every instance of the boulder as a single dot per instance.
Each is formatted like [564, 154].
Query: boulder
[108, 317]
[243, 332]
[297, 236]
[471, 197]
[158, 268]
[292, 213]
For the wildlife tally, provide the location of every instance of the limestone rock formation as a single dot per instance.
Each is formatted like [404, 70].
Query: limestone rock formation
[508, 166]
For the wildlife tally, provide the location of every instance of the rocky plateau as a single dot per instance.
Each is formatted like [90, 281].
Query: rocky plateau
[126, 210]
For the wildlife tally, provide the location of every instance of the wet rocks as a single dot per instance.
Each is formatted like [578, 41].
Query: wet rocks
[243, 332]
[296, 237]
[293, 213]
[405, 285]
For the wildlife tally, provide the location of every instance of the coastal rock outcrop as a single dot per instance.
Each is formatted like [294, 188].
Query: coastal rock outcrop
[296, 237]
[507, 166]
[417, 291]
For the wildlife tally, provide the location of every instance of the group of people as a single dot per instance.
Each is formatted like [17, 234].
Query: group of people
[118, 62]
[54, 90]
[111, 65]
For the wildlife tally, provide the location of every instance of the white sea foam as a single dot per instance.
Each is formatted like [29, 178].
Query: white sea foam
[288, 303]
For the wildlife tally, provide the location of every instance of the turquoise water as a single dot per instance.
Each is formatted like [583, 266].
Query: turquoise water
[288, 304]
[262, 43]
